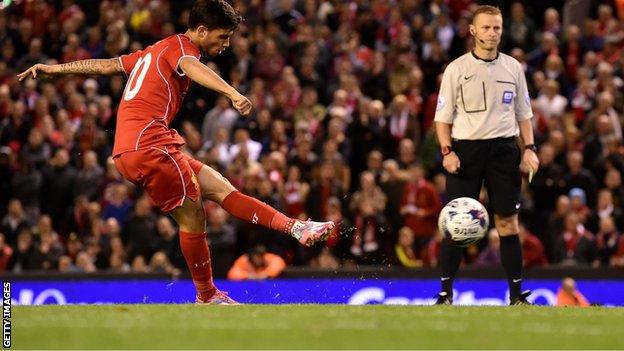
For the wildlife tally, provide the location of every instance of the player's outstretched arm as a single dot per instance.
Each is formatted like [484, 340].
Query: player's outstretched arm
[93, 66]
[202, 74]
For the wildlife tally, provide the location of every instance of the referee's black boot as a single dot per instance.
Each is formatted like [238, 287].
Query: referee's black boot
[521, 300]
[444, 299]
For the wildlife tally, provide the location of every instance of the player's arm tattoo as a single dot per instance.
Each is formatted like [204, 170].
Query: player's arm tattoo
[92, 66]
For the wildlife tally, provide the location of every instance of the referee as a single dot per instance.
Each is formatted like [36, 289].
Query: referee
[483, 105]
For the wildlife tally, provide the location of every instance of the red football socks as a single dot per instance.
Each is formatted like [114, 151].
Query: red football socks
[252, 210]
[197, 255]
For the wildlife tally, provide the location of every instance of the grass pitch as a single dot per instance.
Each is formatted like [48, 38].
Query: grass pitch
[315, 327]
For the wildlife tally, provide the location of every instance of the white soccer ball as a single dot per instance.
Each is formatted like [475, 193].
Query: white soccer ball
[463, 221]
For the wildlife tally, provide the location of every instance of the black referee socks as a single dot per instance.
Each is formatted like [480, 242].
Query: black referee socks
[511, 258]
[450, 258]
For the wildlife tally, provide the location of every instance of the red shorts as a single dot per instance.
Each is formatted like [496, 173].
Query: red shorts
[167, 174]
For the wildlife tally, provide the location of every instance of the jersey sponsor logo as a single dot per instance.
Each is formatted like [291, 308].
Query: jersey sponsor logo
[507, 97]
[468, 77]
[440, 104]
[527, 98]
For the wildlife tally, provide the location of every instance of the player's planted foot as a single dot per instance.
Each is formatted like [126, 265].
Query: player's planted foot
[219, 298]
[521, 300]
[308, 233]
[444, 299]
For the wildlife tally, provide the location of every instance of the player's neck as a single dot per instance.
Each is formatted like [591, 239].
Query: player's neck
[191, 35]
[485, 55]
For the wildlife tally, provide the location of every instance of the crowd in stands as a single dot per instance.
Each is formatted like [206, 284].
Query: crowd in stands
[344, 96]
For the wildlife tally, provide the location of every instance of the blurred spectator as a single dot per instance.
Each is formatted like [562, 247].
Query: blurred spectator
[159, 263]
[139, 265]
[89, 177]
[532, 249]
[370, 239]
[25, 256]
[257, 264]
[550, 103]
[140, 229]
[58, 185]
[37, 151]
[169, 242]
[401, 124]
[13, 221]
[26, 184]
[606, 208]
[325, 260]
[6, 253]
[117, 264]
[575, 245]
[520, 28]
[369, 192]
[420, 206]
[608, 238]
[222, 115]
[84, 263]
[578, 201]
[405, 253]
[579, 177]
[568, 295]
[118, 205]
[66, 265]
[295, 193]
[548, 183]
[325, 186]
[222, 239]
[338, 239]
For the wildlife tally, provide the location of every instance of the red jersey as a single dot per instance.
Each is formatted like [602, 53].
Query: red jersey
[153, 94]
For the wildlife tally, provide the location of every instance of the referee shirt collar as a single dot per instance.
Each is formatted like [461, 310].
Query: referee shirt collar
[484, 60]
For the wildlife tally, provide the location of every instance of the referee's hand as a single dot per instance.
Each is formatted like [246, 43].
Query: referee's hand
[451, 163]
[530, 162]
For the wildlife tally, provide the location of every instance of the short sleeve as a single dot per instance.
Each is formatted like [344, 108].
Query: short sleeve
[180, 47]
[523, 100]
[445, 107]
[128, 61]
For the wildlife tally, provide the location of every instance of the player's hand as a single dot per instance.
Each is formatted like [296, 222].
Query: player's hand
[451, 163]
[241, 103]
[530, 162]
[36, 69]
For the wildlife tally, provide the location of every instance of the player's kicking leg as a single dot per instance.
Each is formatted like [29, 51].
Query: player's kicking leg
[217, 188]
[170, 181]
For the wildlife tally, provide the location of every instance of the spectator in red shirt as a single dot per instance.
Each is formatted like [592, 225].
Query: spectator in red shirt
[420, 206]
[532, 249]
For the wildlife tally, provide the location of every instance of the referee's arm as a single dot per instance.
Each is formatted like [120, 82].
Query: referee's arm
[530, 162]
[445, 113]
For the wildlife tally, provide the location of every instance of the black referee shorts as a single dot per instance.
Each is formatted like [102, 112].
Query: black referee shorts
[493, 161]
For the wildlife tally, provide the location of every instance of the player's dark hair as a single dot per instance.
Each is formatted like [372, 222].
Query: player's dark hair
[487, 9]
[213, 14]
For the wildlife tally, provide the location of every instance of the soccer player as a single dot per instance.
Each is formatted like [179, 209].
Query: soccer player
[147, 152]
[483, 106]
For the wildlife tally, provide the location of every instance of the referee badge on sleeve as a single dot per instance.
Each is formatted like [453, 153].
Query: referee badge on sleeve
[440, 104]
[507, 97]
